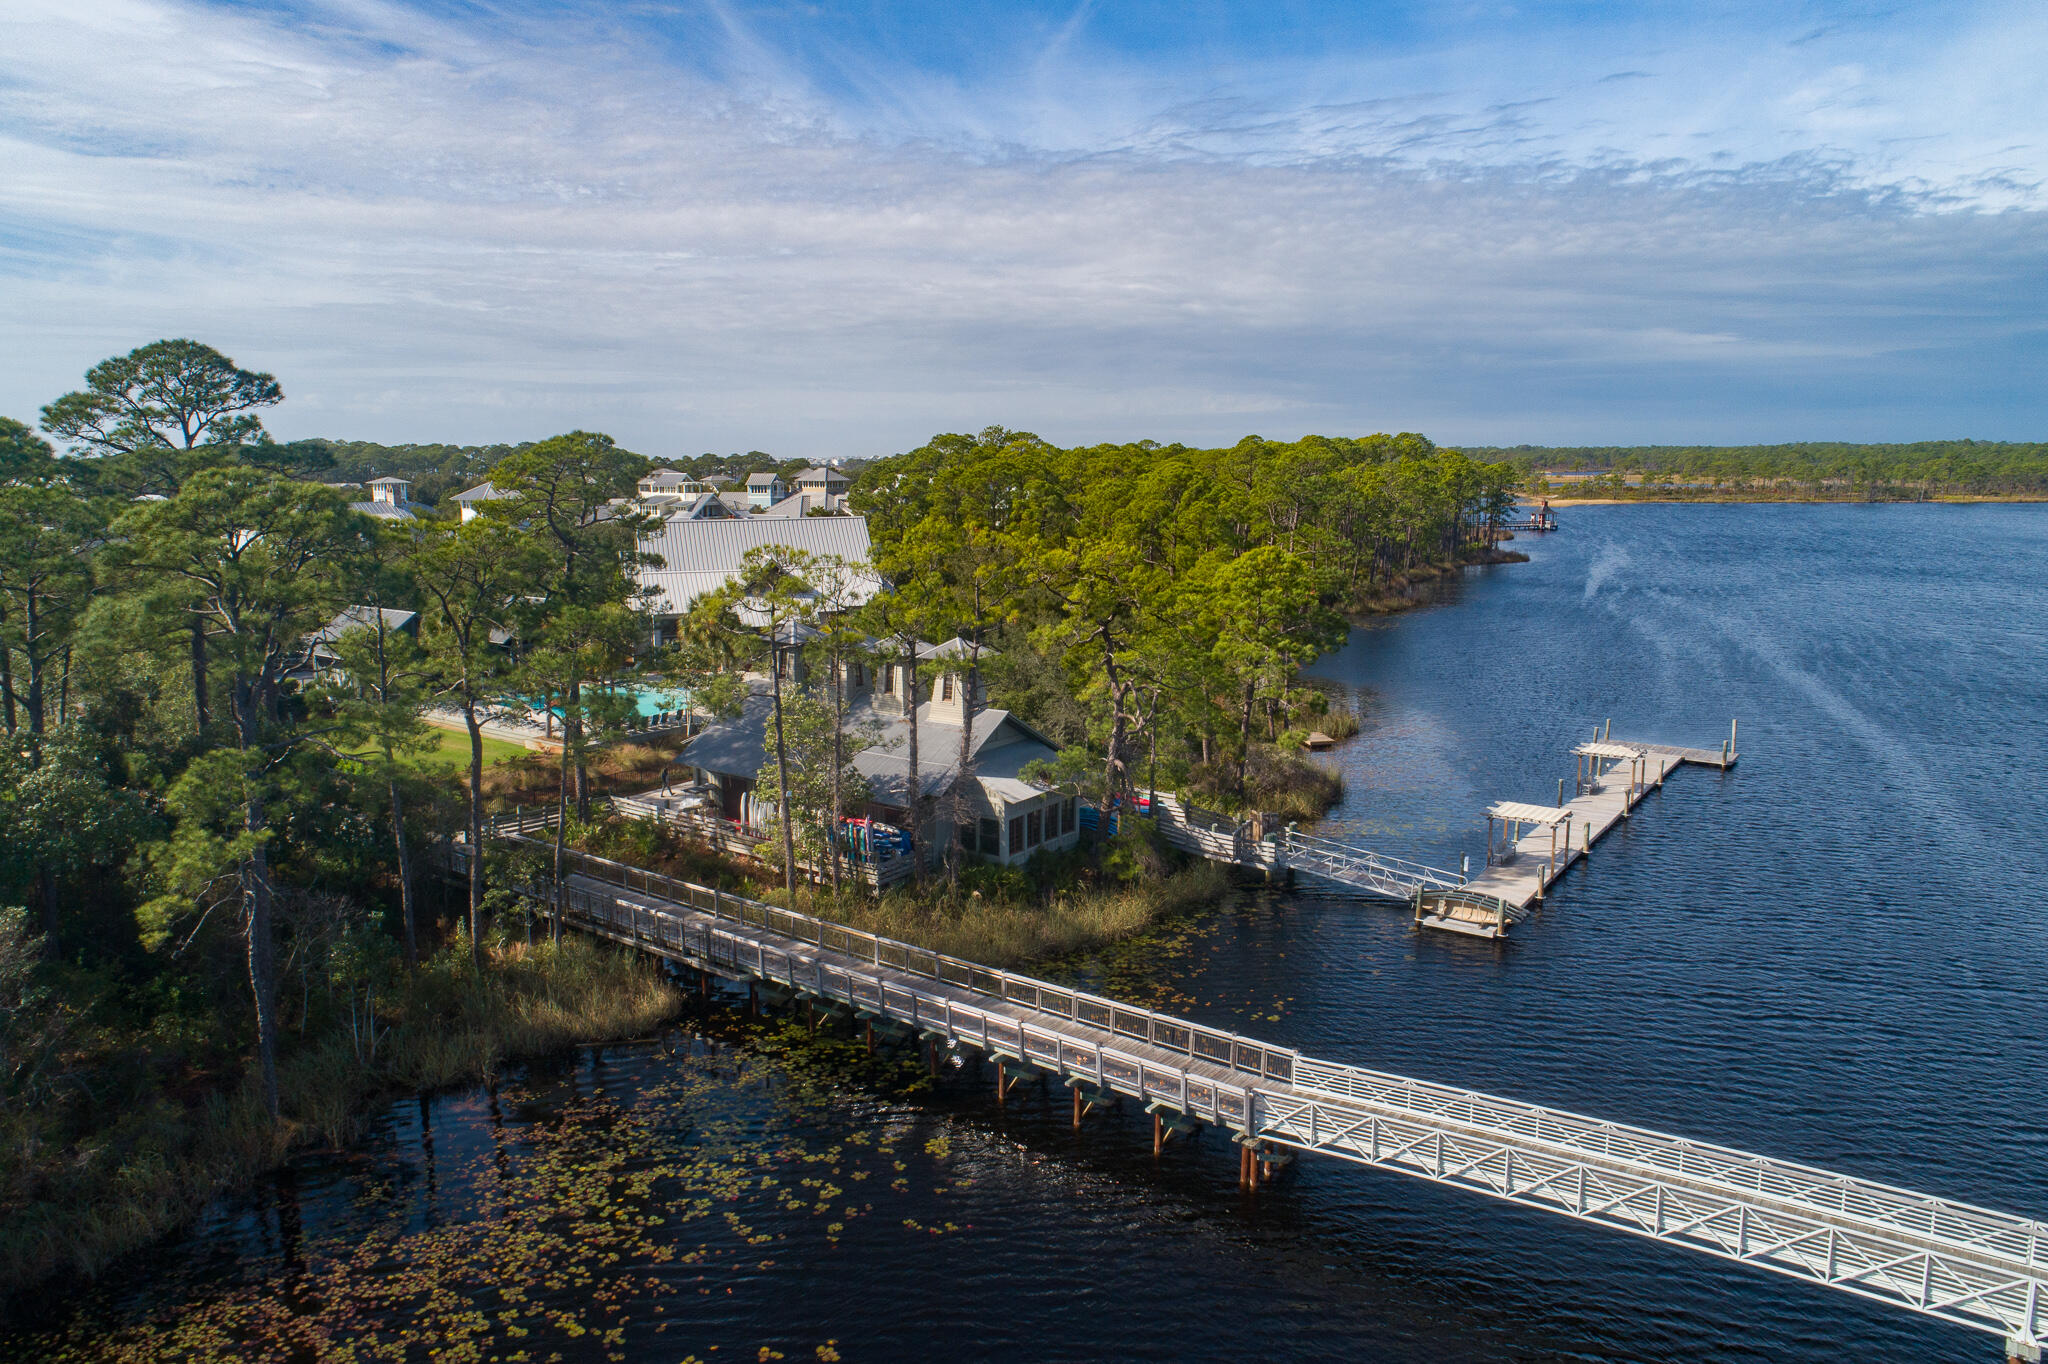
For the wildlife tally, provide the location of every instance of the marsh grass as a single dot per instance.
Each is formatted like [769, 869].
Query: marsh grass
[1006, 932]
[73, 1208]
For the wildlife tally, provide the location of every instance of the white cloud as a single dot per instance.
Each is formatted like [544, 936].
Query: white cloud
[438, 232]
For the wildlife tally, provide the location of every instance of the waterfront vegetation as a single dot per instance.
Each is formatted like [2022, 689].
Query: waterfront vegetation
[154, 1112]
[226, 929]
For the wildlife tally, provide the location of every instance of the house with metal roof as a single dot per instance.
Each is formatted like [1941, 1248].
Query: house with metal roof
[320, 654]
[825, 486]
[702, 555]
[766, 488]
[711, 506]
[670, 483]
[390, 500]
[469, 502]
[994, 814]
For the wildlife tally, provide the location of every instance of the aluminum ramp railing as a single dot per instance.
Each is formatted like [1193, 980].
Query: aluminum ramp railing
[1972, 1266]
[1395, 878]
[1221, 839]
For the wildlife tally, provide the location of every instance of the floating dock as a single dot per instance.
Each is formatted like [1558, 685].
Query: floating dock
[1529, 846]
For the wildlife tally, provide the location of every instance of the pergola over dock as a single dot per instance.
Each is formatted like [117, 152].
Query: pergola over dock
[1514, 816]
[1600, 758]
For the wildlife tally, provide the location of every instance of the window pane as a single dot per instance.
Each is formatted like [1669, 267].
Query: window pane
[1016, 834]
[1033, 829]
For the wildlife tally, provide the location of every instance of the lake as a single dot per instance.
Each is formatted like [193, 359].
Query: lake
[1832, 954]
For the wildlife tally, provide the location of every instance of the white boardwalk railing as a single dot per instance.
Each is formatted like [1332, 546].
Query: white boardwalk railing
[1973, 1266]
[1220, 839]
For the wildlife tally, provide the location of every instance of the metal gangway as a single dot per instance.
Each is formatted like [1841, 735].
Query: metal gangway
[1245, 843]
[1973, 1266]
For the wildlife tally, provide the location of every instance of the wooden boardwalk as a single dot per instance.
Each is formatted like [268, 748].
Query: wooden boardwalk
[1970, 1265]
[1615, 777]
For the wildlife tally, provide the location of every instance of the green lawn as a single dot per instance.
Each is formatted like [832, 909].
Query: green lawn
[452, 752]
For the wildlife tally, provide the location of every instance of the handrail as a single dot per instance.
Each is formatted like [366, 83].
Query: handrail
[1106, 1063]
[1393, 868]
[1197, 1041]
[1958, 1225]
[1964, 1263]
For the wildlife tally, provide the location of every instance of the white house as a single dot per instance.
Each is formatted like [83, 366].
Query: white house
[825, 486]
[670, 485]
[470, 501]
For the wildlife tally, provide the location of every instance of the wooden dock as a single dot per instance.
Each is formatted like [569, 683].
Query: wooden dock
[1538, 843]
[1613, 778]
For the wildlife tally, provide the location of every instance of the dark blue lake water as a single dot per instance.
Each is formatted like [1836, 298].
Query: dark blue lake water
[1832, 954]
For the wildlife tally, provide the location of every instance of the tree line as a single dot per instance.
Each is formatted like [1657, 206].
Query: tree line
[171, 759]
[1915, 470]
[1152, 605]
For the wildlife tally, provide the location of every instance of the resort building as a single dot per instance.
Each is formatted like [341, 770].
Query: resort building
[702, 555]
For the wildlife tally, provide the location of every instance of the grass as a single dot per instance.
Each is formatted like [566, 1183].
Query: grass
[73, 1206]
[451, 752]
[615, 769]
[1009, 933]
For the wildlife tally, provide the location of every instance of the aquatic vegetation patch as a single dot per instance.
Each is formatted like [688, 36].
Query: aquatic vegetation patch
[594, 1233]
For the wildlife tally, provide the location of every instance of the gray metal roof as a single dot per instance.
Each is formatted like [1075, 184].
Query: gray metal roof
[666, 478]
[955, 647]
[361, 617]
[482, 492]
[702, 556]
[734, 748]
[796, 504]
[763, 478]
[388, 511]
[1002, 745]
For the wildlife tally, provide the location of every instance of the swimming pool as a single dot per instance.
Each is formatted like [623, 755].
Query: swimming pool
[650, 698]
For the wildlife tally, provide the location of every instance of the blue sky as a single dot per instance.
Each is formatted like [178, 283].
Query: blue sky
[835, 229]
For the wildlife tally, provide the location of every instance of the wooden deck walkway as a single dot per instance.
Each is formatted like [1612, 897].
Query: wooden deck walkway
[1504, 893]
